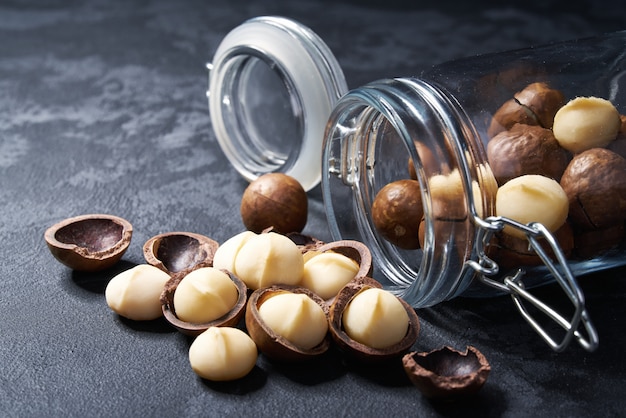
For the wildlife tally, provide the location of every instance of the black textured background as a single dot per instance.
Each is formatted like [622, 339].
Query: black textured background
[103, 109]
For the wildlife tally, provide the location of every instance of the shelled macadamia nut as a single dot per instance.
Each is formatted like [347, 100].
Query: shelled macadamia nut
[204, 295]
[267, 259]
[222, 354]
[135, 293]
[326, 273]
[532, 198]
[586, 122]
[296, 317]
[227, 252]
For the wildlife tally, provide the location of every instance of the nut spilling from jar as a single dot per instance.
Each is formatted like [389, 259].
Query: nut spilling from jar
[89, 242]
[446, 372]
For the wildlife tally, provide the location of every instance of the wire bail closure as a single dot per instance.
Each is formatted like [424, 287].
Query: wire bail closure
[514, 285]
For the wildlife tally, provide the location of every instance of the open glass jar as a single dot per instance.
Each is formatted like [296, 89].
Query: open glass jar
[274, 72]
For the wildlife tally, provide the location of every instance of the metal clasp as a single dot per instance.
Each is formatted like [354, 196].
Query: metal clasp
[536, 234]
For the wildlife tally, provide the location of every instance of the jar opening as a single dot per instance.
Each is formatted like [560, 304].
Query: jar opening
[262, 113]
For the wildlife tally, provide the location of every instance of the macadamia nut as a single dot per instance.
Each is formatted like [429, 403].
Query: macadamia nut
[267, 259]
[204, 295]
[222, 354]
[135, 293]
[532, 198]
[586, 122]
[226, 253]
[295, 317]
[375, 318]
[326, 273]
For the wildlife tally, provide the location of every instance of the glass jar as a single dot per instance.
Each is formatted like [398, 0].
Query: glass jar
[272, 85]
[436, 128]
[279, 102]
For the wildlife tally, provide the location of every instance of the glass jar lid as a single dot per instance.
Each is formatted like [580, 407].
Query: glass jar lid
[272, 86]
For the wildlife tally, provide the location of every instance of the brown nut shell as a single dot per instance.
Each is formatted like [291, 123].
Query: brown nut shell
[274, 200]
[446, 372]
[595, 185]
[355, 250]
[89, 242]
[179, 252]
[360, 351]
[510, 113]
[271, 344]
[526, 149]
[542, 100]
[396, 213]
[593, 242]
[229, 319]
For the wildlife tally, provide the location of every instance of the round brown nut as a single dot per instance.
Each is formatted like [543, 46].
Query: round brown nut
[595, 184]
[274, 200]
[397, 211]
[542, 100]
[510, 113]
[526, 149]
[585, 123]
[593, 242]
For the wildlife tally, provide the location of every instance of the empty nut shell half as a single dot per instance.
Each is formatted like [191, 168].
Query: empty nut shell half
[180, 252]
[446, 372]
[356, 349]
[231, 318]
[271, 344]
[89, 242]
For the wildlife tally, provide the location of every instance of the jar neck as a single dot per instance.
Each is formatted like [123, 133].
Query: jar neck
[373, 135]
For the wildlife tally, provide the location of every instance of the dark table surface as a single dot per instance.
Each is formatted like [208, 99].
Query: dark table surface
[103, 110]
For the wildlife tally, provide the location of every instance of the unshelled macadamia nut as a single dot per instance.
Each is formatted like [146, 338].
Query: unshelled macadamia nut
[222, 354]
[295, 317]
[525, 149]
[204, 295]
[376, 318]
[267, 259]
[135, 293]
[586, 122]
[226, 253]
[326, 273]
[274, 200]
[542, 101]
[532, 198]
[396, 212]
[595, 185]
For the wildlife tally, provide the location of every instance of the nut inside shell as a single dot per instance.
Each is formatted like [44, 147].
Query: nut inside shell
[355, 250]
[91, 242]
[446, 372]
[231, 318]
[361, 351]
[180, 252]
[269, 342]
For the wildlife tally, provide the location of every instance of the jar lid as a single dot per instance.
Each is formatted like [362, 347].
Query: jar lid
[272, 86]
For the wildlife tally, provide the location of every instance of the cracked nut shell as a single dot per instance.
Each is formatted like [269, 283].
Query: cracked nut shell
[446, 372]
[91, 242]
[271, 344]
[230, 319]
[179, 252]
[360, 351]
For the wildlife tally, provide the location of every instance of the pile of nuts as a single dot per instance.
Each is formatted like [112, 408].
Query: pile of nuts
[562, 164]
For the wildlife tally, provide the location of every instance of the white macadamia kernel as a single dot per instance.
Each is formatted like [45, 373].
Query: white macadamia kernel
[295, 317]
[268, 259]
[532, 198]
[226, 253]
[375, 318]
[204, 295]
[327, 273]
[135, 293]
[585, 123]
[222, 354]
